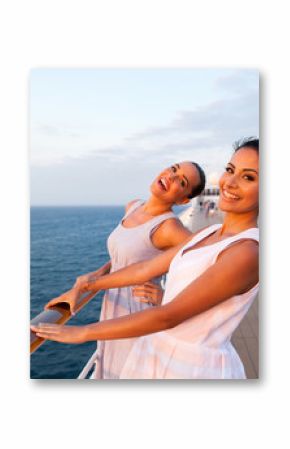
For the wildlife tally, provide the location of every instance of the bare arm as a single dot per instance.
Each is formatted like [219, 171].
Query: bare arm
[136, 273]
[221, 281]
[92, 275]
[141, 272]
[235, 272]
[170, 233]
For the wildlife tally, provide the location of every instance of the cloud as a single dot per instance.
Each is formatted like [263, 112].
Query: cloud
[206, 129]
[228, 117]
[204, 134]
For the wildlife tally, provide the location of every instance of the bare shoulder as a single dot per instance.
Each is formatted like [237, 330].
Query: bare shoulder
[239, 264]
[244, 251]
[170, 233]
[130, 204]
[174, 224]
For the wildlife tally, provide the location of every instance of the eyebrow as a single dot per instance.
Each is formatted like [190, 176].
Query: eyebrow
[187, 183]
[245, 169]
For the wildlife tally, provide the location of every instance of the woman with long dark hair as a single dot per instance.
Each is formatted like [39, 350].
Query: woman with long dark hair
[212, 281]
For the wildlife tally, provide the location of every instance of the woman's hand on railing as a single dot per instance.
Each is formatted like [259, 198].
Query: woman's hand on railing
[70, 297]
[84, 279]
[149, 293]
[60, 333]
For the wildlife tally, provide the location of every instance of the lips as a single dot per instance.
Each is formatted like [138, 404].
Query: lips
[163, 183]
[230, 196]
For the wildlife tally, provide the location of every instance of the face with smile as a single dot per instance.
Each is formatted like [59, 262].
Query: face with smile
[239, 185]
[175, 183]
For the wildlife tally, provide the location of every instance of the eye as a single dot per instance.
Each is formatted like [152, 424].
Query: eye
[173, 168]
[249, 178]
[229, 169]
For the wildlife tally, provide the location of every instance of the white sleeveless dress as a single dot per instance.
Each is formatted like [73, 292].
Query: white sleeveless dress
[200, 347]
[125, 246]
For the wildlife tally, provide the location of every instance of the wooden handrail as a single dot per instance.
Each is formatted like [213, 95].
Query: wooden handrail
[60, 314]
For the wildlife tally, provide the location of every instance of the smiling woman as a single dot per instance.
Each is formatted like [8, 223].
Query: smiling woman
[212, 282]
[147, 229]
[239, 184]
[179, 181]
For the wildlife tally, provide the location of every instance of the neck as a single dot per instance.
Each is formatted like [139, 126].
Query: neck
[154, 206]
[236, 223]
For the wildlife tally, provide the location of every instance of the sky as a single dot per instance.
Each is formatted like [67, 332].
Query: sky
[100, 136]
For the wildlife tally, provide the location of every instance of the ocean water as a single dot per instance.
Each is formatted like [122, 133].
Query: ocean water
[66, 242]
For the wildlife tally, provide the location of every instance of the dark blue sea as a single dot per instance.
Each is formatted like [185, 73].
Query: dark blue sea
[66, 242]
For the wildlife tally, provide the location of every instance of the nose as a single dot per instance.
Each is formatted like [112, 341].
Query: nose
[232, 181]
[170, 175]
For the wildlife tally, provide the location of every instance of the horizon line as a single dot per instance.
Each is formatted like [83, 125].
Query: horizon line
[88, 205]
[75, 205]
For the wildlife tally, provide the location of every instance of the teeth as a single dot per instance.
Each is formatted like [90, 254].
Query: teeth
[230, 196]
[163, 182]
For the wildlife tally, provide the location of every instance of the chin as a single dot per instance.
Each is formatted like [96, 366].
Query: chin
[235, 209]
[155, 190]
[226, 207]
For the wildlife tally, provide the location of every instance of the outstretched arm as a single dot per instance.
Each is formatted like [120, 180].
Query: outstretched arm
[234, 273]
[93, 275]
[137, 273]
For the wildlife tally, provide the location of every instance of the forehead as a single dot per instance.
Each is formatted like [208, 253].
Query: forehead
[190, 171]
[246, 158]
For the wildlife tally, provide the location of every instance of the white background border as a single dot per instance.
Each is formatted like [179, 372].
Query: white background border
[144, 34]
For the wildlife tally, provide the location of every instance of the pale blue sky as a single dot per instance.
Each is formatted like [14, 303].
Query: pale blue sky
[99, 136]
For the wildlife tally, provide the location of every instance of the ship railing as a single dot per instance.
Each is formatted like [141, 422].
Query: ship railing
[88, 366]
[61, 314]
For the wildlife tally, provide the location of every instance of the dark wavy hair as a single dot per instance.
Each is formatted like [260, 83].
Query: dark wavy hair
[202, 180]
[246, 142]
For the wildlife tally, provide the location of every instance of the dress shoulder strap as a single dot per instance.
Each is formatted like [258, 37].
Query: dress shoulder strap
[133, 207]
[201, 235]
[160, 218]
[151, 225]
[155, 222]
